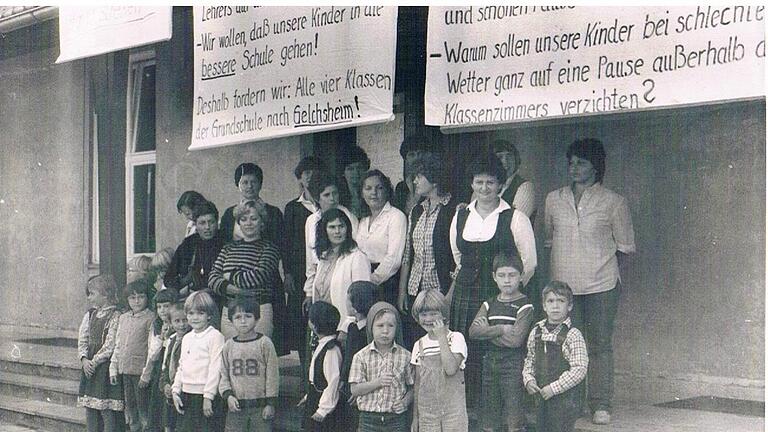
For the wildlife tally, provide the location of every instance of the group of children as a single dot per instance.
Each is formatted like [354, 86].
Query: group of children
[171, 369]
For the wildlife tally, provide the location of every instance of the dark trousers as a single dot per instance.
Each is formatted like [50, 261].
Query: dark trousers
[594, 315]
[503, 390]
[193, 419]
[383, 422]
[103, 420]
[136, 403]
[556, 415]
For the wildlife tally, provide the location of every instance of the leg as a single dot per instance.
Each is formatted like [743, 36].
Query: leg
[599, 315]
[142, 407]
[92, 420]
[112, 420]
[130, 385]
[513, 391]
[490, 394]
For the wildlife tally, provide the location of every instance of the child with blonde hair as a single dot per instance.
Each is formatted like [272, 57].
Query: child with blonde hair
[438, 358]
[160, 263]
[195, 385]
[103, 402]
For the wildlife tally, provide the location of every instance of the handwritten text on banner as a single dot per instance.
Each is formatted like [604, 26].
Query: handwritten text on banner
[267, 72]
[501, 64]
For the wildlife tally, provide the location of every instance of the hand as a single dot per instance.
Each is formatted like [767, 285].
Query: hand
[268, 413]
[439, 329]
[233, 404]
[547, 392]
[402, 303]
[184, 292]
[113, 379]
[386, 379]
[167, 391]
[532, 387]
[88, 367]
[233, 290]
[461, 206]
[317, 417]
[289, 286]
[207, 407]
[399, 406]
[481, 322]
[306, 304]
[302, 402]
[143, 384]
[178, 404]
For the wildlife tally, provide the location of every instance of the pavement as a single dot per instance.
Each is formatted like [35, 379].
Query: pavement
[8, 427]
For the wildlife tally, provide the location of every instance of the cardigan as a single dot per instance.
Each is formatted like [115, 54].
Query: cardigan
[350, 267]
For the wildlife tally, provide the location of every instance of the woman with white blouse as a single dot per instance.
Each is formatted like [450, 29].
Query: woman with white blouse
[381, 234]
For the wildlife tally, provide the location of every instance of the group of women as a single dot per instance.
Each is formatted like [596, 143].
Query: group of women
[338, 231]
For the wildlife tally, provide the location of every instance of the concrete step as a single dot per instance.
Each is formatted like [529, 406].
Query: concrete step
[53, 390]
[42, 415]
[38, 368]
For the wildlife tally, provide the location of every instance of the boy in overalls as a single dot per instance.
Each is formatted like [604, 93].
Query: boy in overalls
[556, 363]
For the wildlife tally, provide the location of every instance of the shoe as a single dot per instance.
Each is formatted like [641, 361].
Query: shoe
[601, 417]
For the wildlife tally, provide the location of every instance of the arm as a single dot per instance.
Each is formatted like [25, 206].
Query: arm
[359, 380]
[454, 246]
[272, 371]
[405, 270]
[530, 357]
[361, 267]
[524, 199]
[216, 280]
[575, 350]
[225, 385]
[480, 329]
[114, 370]
[515, 337]
[215, 345]
[260, 275]
[176, 269]
[154, 345]
[450, 360]
[623, 234]
[177, 377]
[548, 220]
[83, 336]
[332, 372]
[522, 231]
[396, 232]
[310, 256]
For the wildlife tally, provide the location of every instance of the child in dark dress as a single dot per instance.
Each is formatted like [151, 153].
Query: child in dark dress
[96, 340]
[322, 399]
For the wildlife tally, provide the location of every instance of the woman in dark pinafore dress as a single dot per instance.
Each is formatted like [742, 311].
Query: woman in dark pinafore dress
[487, 226]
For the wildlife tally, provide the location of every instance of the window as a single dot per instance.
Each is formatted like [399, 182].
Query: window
[140, 168]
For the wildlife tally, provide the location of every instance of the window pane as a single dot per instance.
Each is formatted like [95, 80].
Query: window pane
[145, 127]
[144, 209]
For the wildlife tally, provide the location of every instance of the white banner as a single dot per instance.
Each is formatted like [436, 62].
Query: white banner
[267, 72]
[87, 31]
[502, 64]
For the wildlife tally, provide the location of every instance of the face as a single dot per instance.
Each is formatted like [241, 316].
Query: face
[137, 301]
[508, 160]
[374, 193]
[306, 177]
[96, 298]
[187, 212]
[384, 329]
[244, 322]
[337, 231]
[207, 226]
[422, 186]
[329, 198]
[198, 320]
[557, 308]
[486, 187]
[250, 224]
[163, 311]
[249, 187]
[427, 319]
[507, 279]
[179, 321]
[581, 171]
[353, 173]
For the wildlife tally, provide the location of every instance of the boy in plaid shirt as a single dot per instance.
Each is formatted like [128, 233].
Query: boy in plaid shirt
[556, 363]
[381, 375]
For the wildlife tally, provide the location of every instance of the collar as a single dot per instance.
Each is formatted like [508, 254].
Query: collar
[443, 201]
[201, 334]
[238, 340]
[395, 347]
[566, 323]
[361, 323]
[503, 205]
[306, 201]
[324, 340]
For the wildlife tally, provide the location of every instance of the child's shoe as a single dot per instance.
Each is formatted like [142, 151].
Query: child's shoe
[601, 417]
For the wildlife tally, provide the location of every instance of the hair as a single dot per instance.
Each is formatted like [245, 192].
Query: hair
[488, 164]
[427, 301]
[243, 209]
[139, 268]
[388, 189]
[308, 163]
[501, 145]
[325, 317]
[203, 302]
[204, 208]
[177, 306]
[319, 182]
[355, 154]
[418, 141]
[592, 150]
[139, 286]
[245, 304]
[506, 259]
[248, 169]
[104, 284]
[189, 199]
[434, 169]
[557, 288]
[167, 295]
[363, 295]
[323, 243]
[162, 260]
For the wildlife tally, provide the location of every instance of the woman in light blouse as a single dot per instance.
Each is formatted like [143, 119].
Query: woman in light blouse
[381, 234]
